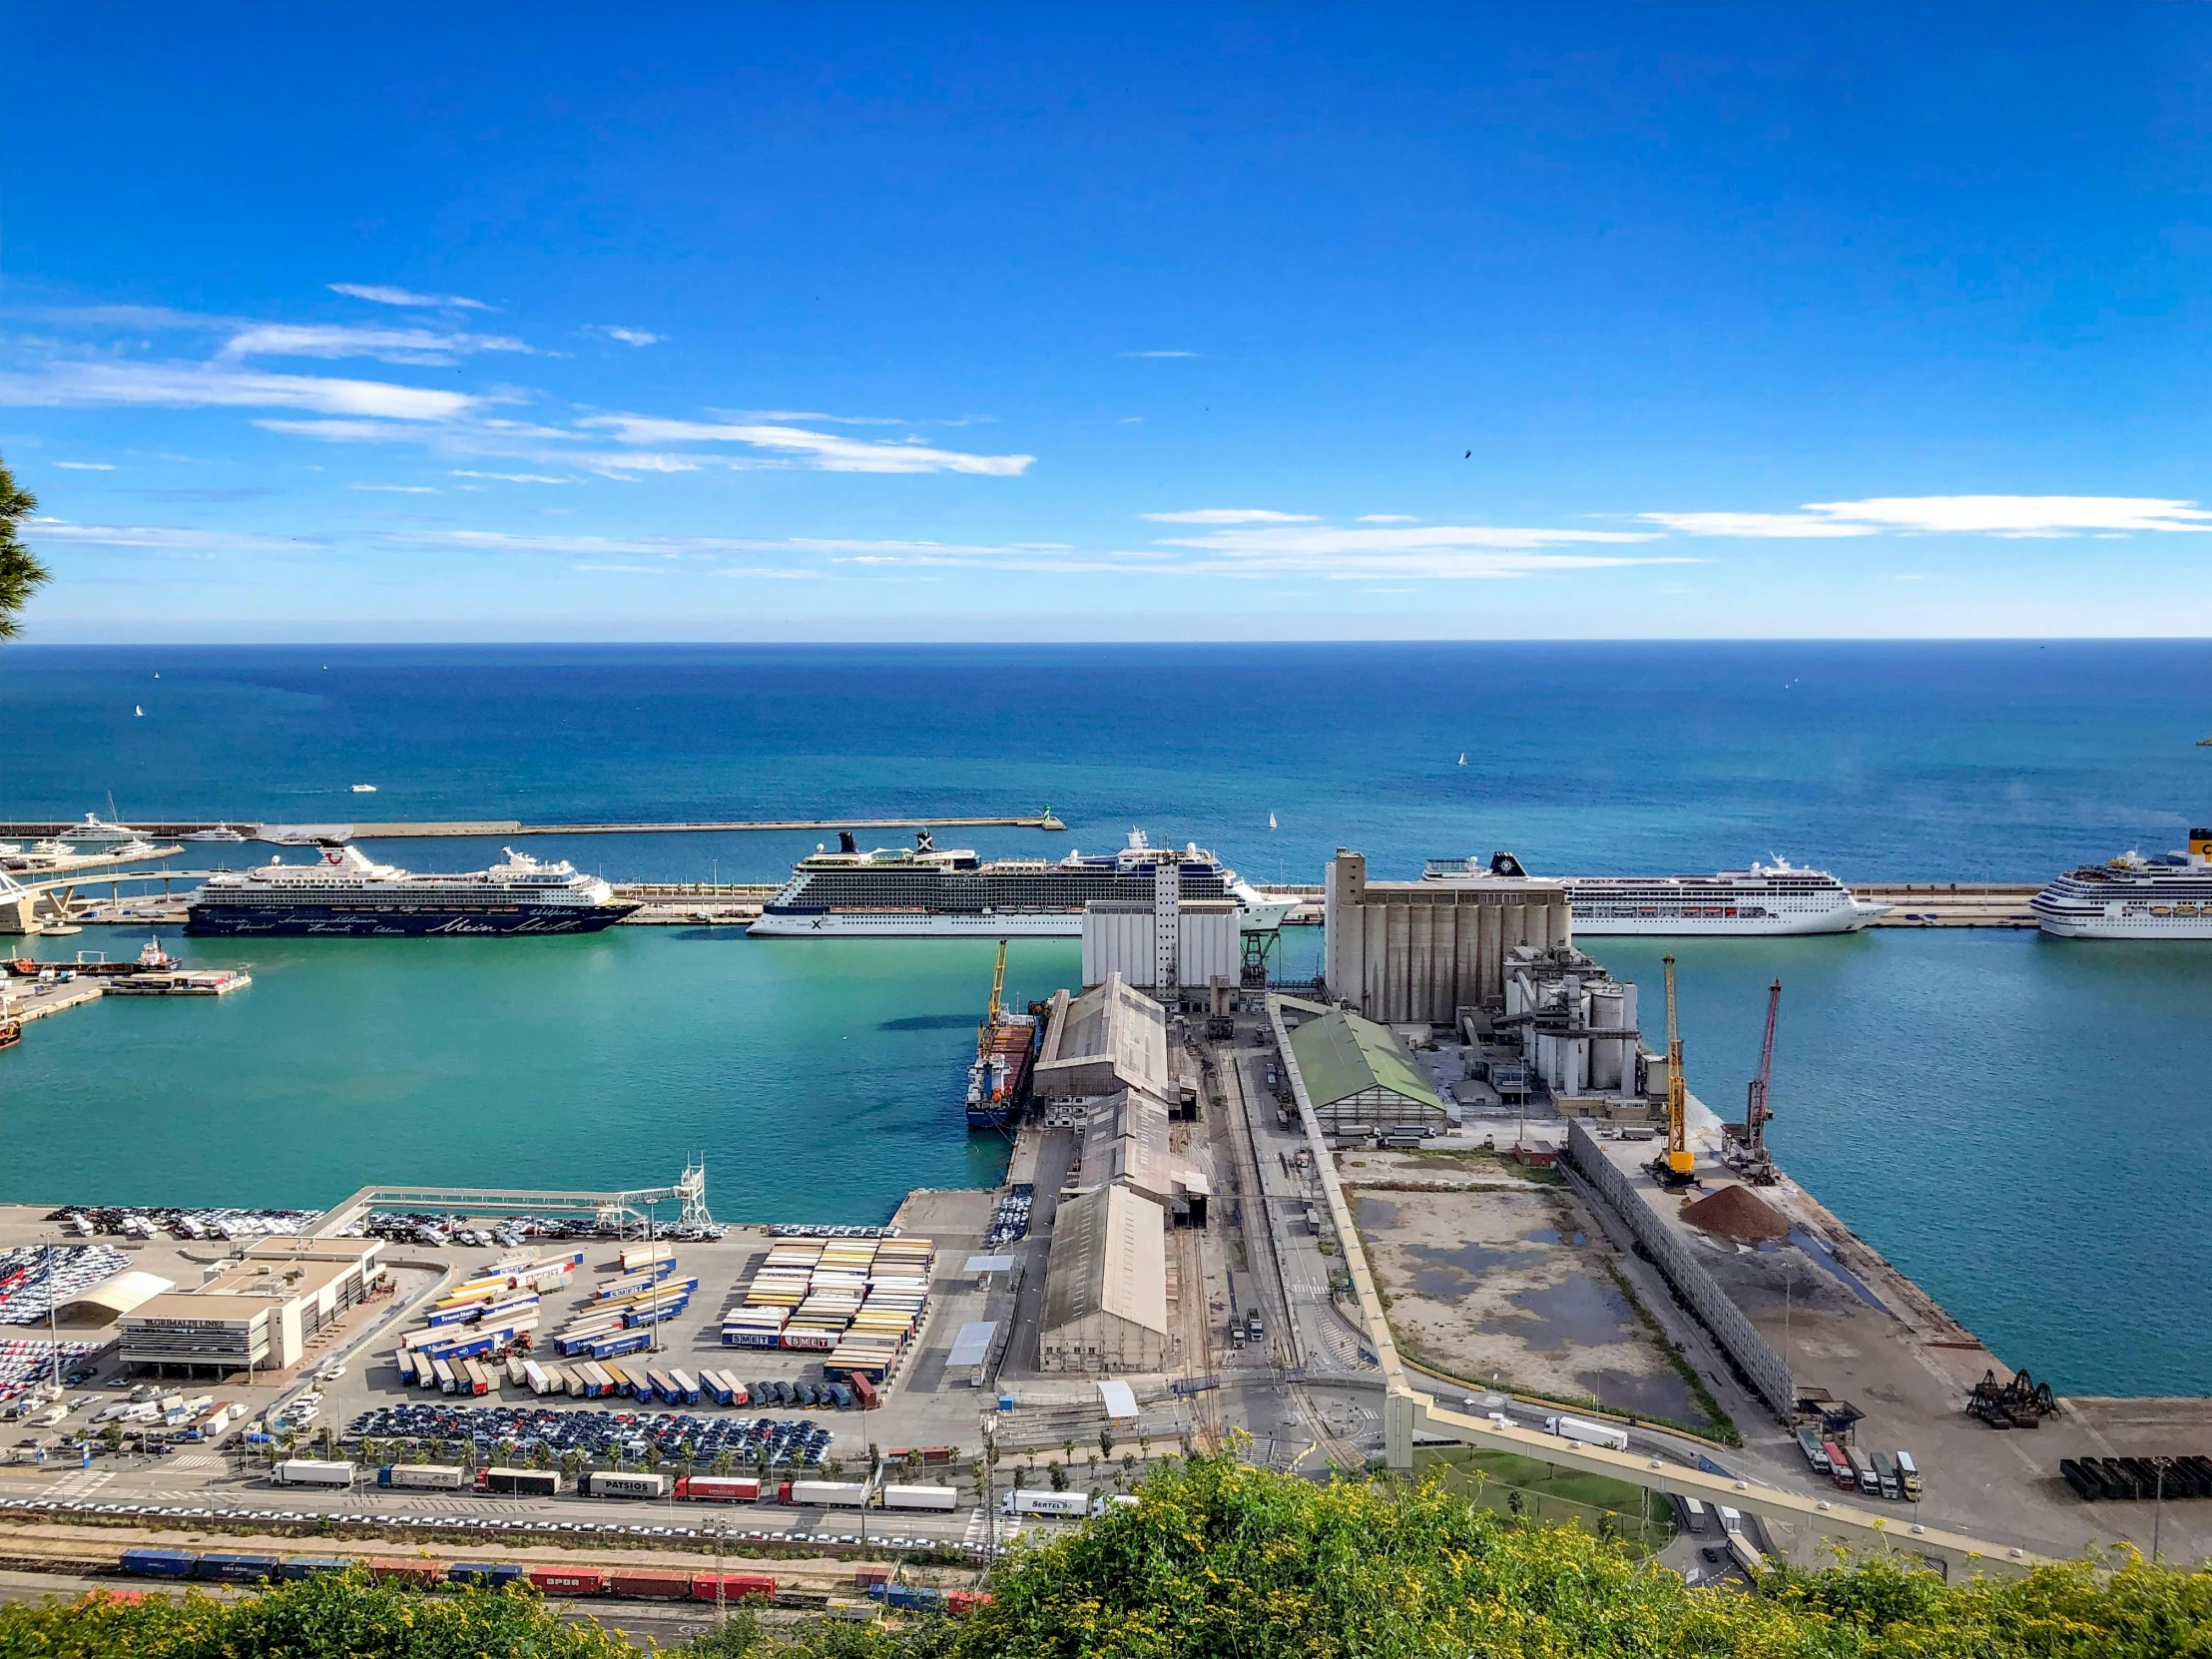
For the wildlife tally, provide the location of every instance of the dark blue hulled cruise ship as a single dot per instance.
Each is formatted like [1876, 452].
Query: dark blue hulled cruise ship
[344, 894]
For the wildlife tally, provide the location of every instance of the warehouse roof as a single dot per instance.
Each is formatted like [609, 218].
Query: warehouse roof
[111, 1300]
[1113, 1036]
[1108, 1255]
[1340, 1055]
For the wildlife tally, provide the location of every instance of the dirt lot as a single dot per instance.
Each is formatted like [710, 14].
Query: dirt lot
[1492, 1276]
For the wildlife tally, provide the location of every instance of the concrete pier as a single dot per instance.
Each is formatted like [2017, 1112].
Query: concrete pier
[514, 827]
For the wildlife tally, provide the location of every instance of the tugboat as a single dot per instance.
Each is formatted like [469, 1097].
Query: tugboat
[1004, 1045]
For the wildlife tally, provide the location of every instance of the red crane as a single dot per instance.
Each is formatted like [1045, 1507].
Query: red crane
[1755, 1113]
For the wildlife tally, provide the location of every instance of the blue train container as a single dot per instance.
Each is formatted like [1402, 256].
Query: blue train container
[620, 1342]
[914, 1598]
[467, 1315]
[159, 1563]
[716, 1388]
[226, 1568]
[488, 1574]
[311, 1566]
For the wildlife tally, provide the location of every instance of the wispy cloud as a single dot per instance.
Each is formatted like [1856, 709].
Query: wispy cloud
[85, 466]
[195, 386]
[512, 477]
[1784, 525]
[155, 538]
[630, 570]
[395, 489]
[391, 345]
[380, 294]
[1437, 551]
[1387, 518]
[628, 336]
[1990, 515]
[1159, 353]
[816, 415]
[826, 451]
[1230, 515]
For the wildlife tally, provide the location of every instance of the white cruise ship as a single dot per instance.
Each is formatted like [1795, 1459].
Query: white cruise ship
[344, 894]
[2165, 897]
[1764, 901]
[924, 892]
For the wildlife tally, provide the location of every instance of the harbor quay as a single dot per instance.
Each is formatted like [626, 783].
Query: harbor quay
[1451, 1211]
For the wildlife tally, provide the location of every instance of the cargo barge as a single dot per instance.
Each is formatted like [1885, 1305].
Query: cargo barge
[1004, 1043]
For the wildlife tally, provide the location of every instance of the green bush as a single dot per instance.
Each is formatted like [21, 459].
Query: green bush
[1221, 1559]
[348, 1616]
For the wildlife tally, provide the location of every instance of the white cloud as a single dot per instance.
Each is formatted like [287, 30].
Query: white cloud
[1387, 518]
[1230, 515]
[628, 336]
[379, 293]
[827, 451]
[395, 489]
[1432, 551]
[512, 477]
[1159, 353]
[816, 415]
[1991, 516]
[2019, 515]
[391, 345]
[154, 538]
[86, 466]
[1755, 524]
[630, 570]
[191, 385]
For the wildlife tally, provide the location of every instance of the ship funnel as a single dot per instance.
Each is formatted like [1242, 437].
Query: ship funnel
[846, 843]
[1505, 863]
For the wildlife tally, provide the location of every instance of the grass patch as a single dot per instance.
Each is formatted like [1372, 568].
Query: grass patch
[1642, 1520]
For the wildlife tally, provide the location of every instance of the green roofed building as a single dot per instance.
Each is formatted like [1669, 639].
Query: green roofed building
[1360, 1076]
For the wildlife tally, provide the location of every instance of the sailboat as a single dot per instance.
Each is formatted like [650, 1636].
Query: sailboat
[1271, 820]
[1463, 757]
[136, 710]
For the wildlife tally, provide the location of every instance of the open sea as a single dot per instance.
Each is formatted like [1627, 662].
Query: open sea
[2021, 1123]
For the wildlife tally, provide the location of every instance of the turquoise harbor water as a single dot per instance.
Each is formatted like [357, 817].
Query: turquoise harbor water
[2021, 1123]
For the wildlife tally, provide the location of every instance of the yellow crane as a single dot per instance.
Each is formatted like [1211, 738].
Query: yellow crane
[1675, 1169]
[998, 991]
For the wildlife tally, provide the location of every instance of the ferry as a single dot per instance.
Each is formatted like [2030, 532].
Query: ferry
[924, 892]
[2165, 897]
[1762, 902]
[344, 894]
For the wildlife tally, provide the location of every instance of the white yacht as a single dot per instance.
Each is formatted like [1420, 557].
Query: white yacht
[96, 833]
[2165, 897]
[1764, 901]
[925, 891]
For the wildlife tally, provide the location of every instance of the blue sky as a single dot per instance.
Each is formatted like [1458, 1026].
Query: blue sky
[1046, 322]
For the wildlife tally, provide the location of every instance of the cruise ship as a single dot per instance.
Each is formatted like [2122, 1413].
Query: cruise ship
[1764, 901]
[344, 894]
[924, 892]
[2165, 897]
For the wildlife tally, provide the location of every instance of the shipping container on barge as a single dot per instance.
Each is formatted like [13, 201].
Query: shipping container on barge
[1004, 1043]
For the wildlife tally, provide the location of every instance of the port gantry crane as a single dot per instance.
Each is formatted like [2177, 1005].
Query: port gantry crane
[998, 992]
[1675, 1169]
[1758, 1166]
